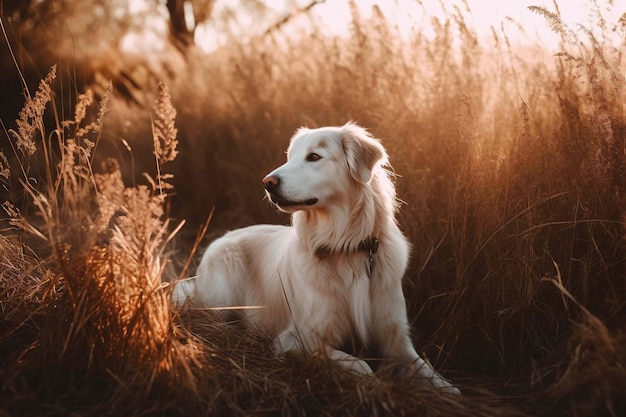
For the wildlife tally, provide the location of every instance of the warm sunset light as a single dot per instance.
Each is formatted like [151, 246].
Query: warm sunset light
[313, 208]
[410, 16]
[513, 18]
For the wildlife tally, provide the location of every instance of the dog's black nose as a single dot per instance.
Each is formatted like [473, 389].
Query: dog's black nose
[270, 182]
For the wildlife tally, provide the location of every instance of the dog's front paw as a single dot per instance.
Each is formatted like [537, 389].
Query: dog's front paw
[445, 386]
[439, 382]
[349, 362]
[357, 366]
[425, 374]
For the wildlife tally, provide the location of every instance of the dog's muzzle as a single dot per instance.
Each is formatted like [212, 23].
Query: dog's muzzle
[272, 187]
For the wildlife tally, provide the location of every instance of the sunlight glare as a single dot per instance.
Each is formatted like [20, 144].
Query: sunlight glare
[153, 35]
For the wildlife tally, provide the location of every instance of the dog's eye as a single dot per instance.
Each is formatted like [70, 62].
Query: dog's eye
[312, 157]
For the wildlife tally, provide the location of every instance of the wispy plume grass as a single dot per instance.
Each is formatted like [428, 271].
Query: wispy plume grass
[31, 116]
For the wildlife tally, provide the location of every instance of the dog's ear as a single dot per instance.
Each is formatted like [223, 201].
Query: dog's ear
[363, 152]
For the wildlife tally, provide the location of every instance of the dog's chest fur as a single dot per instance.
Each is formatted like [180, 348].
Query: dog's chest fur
[344, 287]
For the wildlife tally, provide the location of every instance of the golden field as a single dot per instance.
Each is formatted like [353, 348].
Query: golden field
[511, 167]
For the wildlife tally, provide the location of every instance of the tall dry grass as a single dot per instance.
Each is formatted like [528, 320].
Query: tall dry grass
[511, 166]
[86, 316]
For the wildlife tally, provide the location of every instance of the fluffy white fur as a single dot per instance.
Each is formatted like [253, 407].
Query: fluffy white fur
[311, 279]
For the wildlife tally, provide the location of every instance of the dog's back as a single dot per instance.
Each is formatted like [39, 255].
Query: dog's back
[242, 270]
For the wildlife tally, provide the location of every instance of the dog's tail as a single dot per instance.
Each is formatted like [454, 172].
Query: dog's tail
[183, 290]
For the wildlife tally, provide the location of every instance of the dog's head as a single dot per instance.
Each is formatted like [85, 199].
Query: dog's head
[322, 165]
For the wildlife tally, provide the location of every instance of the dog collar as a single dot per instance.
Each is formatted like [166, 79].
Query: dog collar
[369, 245]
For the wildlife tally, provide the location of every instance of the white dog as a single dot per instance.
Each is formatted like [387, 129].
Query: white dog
[337, 272]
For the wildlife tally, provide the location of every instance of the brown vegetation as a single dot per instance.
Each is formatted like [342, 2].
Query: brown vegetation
[511, 166]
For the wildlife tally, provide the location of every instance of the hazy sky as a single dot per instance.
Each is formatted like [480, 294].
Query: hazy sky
[483, 14]
[410, 15]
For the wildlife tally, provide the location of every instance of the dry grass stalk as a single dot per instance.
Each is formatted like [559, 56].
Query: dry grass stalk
[164, 135]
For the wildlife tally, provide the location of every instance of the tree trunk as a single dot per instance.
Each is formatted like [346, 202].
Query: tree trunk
[182, 36]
